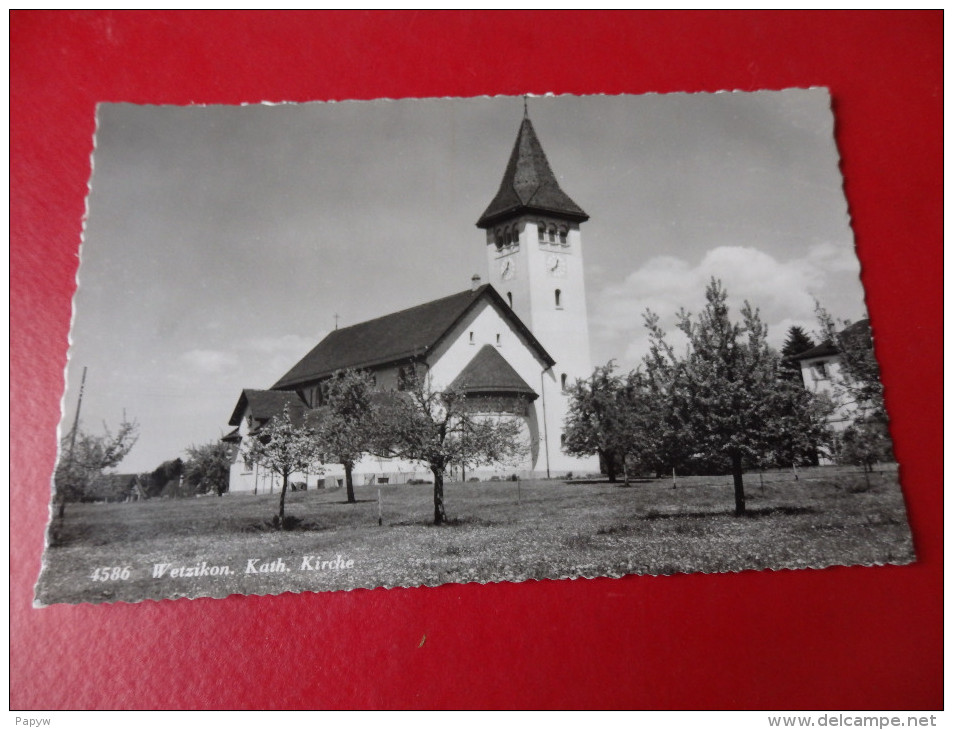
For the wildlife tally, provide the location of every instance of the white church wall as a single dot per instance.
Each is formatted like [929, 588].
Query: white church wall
[485, 323]
[531, 272]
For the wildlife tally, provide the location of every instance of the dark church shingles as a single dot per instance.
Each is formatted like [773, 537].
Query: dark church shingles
[489, 372]
[410, 333]
[529, 184]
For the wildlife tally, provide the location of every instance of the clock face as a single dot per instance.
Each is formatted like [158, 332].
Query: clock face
[507, 269]
[556, 265]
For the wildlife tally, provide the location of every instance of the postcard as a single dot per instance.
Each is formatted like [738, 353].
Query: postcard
[405, 343]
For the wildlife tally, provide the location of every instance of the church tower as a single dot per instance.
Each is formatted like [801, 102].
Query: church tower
[534, 251]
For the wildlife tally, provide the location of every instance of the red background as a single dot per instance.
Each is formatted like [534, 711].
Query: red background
[837, 638]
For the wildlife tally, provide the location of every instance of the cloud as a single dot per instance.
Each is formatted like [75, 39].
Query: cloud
[207, 362]
[253, 362]
[784, 291]
[274, 356]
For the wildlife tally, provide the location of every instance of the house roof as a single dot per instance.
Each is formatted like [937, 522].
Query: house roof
[265, 404]
[402, 336]
[861, 328]
[489, 372]
[529, 184]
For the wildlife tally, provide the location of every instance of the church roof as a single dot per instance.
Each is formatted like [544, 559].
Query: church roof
[489, 372]
[402, 336]
[265, 404]
[529, 184]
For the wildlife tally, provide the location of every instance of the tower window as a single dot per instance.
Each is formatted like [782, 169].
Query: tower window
[562, 440]
[559, 299]
[471, 338]
[541, 229]
[552, 234]
[498, 238]
[562, 236]
[562, 380]
[497, 339]
[509, 298]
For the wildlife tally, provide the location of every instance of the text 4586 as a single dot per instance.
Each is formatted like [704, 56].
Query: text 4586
[116, 572]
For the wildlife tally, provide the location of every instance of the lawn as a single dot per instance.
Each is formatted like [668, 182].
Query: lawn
[498, 531]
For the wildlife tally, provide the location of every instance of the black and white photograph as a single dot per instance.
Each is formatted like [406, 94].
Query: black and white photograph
[401, 343]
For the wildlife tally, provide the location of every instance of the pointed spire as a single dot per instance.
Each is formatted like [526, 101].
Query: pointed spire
[529, 183]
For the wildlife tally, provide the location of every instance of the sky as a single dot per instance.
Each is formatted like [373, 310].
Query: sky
[221, 241]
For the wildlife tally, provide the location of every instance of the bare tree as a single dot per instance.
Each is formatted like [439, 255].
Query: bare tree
[440, 428]
[283, 446]
[85, 456]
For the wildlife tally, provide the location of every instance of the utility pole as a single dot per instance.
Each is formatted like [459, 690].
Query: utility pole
[72, 442]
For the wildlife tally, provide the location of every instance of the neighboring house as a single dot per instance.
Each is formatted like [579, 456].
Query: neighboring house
[513, 345]
[821, 372]
[253, 410]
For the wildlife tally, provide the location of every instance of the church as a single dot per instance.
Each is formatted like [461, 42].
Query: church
[521, 337]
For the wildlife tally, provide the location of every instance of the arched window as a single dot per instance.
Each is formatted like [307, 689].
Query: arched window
[509, 298]
[498, 238]
[552, 234]
[562, 235]
[541, 230]
[471, 338]
[559, 298]
[562, 380]
[497, 339]
[562, 440]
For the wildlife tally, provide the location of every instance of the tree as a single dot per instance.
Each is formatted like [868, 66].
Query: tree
[731, 380]
[602, 417]
[666, 436]
[283, 446]
[347, 429]
[800, 426]
[440, 428]
[84, 458]
[858, 390]
[858, 384]
[207, 467]
[865, 443]
[796, 342]
[168, 471]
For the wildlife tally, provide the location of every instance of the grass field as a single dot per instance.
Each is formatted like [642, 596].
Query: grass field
[498, 531]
